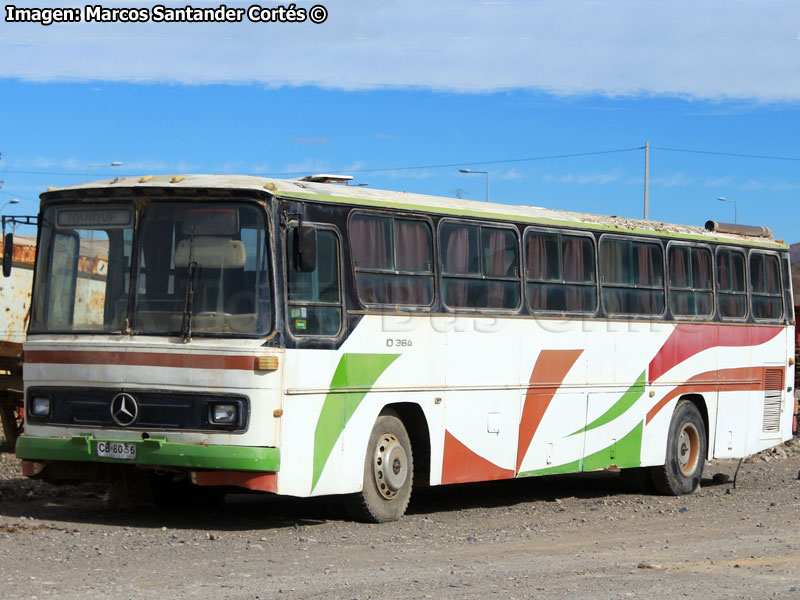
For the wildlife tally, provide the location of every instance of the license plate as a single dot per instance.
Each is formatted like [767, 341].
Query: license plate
[119, 450]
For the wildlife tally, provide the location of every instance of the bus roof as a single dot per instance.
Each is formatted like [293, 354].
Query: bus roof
[362, 196]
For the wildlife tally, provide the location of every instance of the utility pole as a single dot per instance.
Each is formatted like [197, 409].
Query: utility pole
[646, 181]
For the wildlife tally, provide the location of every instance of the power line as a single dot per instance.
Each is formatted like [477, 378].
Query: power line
[418, 167]
[488, 162]
[737, 155]
[16, 195]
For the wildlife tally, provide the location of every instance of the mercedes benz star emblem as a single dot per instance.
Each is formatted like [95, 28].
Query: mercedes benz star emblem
[124, 409]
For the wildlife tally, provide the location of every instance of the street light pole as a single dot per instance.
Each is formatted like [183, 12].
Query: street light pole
[646, 181]
[12, 201]
[470, 171]
[735, 208]
[116, 163]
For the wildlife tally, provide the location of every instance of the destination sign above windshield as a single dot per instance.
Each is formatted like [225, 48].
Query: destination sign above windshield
[95, 218]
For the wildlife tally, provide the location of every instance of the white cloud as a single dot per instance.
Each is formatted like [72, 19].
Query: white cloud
[717, 182]
[313, 141]
[44, 162]
[672, 180]
[583, 178]
[746, 49]
[511, 174]
[410, 173]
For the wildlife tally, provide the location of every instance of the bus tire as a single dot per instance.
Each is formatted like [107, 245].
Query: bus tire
[388, 474]
[686, 452]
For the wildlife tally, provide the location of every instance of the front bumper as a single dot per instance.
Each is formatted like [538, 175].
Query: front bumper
[154, 451]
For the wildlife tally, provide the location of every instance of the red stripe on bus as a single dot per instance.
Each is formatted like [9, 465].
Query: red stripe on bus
[460, 464]
[548, 373]
[142, 359]
[723, 380]
[689, 339]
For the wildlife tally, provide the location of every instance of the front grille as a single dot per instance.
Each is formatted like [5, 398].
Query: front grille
[91, 407]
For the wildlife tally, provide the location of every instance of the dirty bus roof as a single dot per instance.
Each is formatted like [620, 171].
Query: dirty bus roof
[362, 196]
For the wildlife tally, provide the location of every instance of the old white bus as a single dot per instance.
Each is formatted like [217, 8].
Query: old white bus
[308, 338]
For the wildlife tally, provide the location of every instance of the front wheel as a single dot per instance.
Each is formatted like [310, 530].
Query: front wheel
[686, 452]
[388, 474]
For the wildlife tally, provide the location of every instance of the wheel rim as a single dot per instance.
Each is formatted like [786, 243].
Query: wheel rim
[688, 449]
[390, 466]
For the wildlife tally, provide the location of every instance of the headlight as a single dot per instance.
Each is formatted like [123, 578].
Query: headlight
[224, 413]
[40, 407]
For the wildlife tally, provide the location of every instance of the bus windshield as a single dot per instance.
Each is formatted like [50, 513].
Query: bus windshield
[199, 268]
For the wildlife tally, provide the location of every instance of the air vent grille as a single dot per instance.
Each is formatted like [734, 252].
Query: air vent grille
[773, 386]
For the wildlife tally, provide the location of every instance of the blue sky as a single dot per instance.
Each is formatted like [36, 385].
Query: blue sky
[383, 85]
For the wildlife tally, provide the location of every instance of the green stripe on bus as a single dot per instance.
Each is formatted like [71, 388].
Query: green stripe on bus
[623, 454]
[619, 408]
[152, 452]
[354, 371]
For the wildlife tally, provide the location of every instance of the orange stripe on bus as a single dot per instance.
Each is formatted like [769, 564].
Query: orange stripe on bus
[548, 373]
[460, 464]
[723, 380]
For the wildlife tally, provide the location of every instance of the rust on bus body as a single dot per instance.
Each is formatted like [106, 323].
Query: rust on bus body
[15, 291]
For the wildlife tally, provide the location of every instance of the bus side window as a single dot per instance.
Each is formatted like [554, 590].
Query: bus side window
[392, 260]
[480, 266]
[560, 271]
[633, 276]
[690, 291]
[766, 298]
[315, 299]
[731, 288]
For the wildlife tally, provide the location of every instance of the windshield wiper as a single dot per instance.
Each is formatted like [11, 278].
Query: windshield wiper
[188, 302]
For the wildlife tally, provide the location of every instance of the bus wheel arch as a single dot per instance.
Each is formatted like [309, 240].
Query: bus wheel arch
[687, 449]
[416, 425]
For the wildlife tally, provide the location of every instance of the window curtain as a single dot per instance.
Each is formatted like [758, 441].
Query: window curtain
[679, 279]
[496, 267]
[370, 250]
[456, 257]
[649, 275]
[369, 244]
[536, 265]
[412, 246]
[611, 256]
[771, 269]
[701, 269]
[737, 272]
[574, 265]
[413, 253]
[724, 271]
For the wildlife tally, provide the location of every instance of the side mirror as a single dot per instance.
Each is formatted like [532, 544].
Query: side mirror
[305, 249]
[8, 253]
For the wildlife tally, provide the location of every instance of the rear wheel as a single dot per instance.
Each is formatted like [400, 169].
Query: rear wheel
[388, 474]
[686, 452]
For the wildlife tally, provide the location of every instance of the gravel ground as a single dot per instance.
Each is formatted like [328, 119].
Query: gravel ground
[555, 537]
